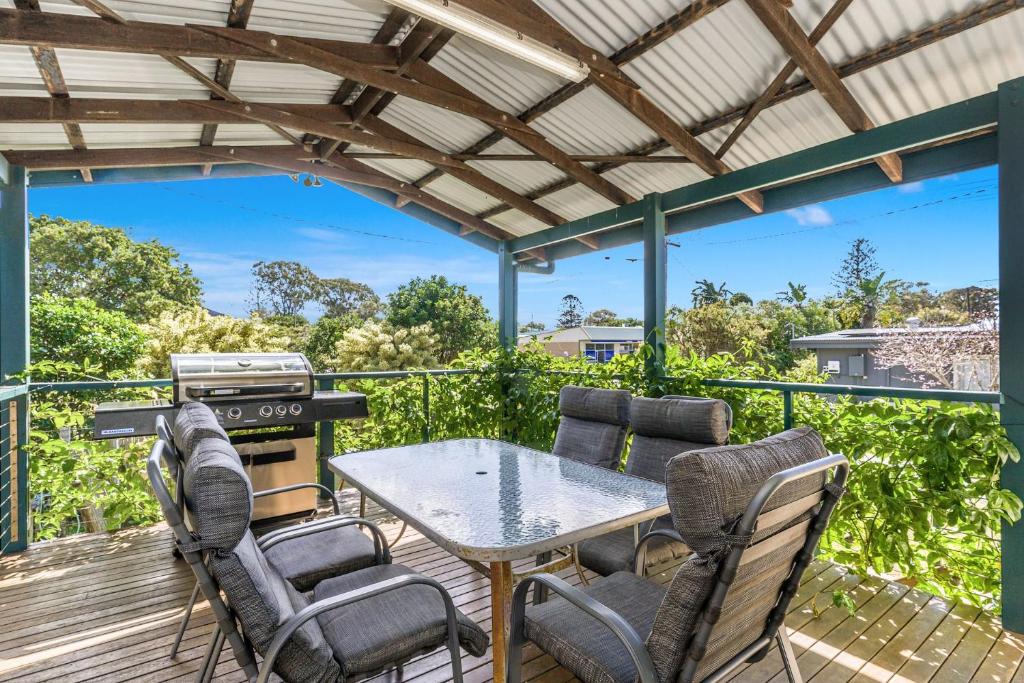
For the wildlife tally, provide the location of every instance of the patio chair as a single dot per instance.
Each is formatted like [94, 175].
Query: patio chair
[662, 428]
[593, 425]
[304, 560]
[753, 515]
[350, 627]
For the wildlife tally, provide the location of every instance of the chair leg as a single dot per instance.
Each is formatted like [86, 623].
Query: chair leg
[453, 648]
[399, 536]
[579, 567]
[362, 505]
[540, 591]
[788, 657]
[184, 620]
[204, 664]
[211, 666]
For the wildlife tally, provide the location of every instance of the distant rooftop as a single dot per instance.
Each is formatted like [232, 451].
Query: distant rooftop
[869, 337]
[594, 332]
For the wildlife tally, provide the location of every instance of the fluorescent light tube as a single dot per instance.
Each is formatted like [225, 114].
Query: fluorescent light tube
[498, 36]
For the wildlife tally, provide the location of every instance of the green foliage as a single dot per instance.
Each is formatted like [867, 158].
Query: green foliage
[341, 297]
[532, 326]
[282, 287]
[78, 331]
[323, 338]
[608, 318]
[705, 293]
[379, 346]
[570, 312]
[79, 259]
[196, 331]
[459, 319]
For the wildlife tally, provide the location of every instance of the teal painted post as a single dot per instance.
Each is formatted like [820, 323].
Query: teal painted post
[508, 285]
[14, 352]
[1011, 332]
[426, 408]
[325, 445]
[655, 282]
[787, 409]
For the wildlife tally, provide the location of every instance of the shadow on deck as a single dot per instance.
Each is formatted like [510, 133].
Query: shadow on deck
[106, 607]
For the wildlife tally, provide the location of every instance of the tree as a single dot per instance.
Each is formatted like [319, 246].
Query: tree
[196, 331]
[935, 358]
[706, 293]
[978, 303]
[715, 328]
[282, 287]
[77, 259]
[570, 312]
[858, 266]
[458, 319]
[868, 295]
[603, 317]
[741, 299]
[323, 340]
[532, 326]
[380, 346]
[79, 331]
[340, 297]
[795, 294]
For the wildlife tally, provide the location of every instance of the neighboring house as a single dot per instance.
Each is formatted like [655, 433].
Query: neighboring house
[599, 344]
[848, 358]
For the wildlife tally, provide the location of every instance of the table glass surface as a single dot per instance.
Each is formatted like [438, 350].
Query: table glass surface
[493, 501]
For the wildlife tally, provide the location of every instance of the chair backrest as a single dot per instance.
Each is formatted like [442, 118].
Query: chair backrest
[753, 515]
[593, 425]
[193, 423]
[219, 497]
[666, 427]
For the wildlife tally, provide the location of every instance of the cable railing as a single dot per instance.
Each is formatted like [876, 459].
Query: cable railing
[13, 484]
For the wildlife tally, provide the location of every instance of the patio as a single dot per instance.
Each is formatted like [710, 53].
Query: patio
[65, 621]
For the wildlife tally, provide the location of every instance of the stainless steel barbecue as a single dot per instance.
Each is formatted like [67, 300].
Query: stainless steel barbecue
[270, 396]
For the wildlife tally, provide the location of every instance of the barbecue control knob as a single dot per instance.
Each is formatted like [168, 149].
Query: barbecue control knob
[234, 413]
[295, 409]
[282, 411]
[266, 411]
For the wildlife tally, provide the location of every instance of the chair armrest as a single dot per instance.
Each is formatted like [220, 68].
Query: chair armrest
[610, 619]
[640, 554]
[297, 487]
[380, 543]
[335, 601]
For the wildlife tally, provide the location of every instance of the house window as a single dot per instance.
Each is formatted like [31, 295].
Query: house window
[599, 353]
[627, 348]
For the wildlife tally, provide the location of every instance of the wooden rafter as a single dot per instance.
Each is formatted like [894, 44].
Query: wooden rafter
[18, 27]
[525, 16]
[781, 24]
[53, 78]
[385, 34]
[535, 143]
[238, 17]
[635, 48]
[765, 98]
[928, 35]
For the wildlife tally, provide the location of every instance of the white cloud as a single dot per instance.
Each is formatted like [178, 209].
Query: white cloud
[911, 188]
[814, 215]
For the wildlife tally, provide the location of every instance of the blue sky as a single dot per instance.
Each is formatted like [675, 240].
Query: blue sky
[942, 231]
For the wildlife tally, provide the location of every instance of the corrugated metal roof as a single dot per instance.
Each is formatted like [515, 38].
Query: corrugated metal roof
[721, 62]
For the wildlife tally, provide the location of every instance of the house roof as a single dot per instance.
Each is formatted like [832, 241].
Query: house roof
[594, 333]
[869, 338]
[699, 70]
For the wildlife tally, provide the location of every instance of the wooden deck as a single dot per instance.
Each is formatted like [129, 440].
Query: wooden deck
[106, 607]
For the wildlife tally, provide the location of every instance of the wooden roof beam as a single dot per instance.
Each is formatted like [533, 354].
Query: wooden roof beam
[525, 16]
[136, 157]
[238, 17]
[781, 24]
[45, 29]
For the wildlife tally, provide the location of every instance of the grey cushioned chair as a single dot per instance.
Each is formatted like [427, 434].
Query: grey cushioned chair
[351, 627]
[662, 428]
[593, 425]
[753, 515]
[304, 560]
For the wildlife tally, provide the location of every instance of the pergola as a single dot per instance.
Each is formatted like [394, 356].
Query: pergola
[681, 117]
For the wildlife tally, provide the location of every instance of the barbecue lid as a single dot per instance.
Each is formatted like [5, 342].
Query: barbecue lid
[195, 366]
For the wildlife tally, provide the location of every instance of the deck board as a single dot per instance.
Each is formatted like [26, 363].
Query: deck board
[105, 607]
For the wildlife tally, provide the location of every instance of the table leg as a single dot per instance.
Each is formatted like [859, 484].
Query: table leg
[501, 610]
[540, 592]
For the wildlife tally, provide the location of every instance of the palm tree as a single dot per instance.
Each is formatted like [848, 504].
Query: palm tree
[706, 293]
[869, 295]
[795, 294]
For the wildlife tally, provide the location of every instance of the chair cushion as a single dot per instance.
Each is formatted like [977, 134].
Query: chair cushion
[218, 494]
[193, 423]
[264, 601]
[648, 455]
[307, 560]
[596, 405]
[684, 418]
[613, 552]
[707, 491]
[595, 443]
[386, 630]
[582, 644]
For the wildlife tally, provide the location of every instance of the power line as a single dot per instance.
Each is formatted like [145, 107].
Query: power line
[294, 219]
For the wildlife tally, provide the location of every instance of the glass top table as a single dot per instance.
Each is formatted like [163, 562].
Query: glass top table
[492, 502]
